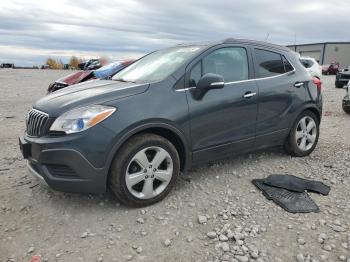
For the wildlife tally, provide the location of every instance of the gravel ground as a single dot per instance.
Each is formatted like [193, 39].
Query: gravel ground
[218, 216]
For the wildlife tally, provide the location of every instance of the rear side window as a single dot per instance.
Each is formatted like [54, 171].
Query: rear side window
[229, 62]
[287, 66]
[307, 63]
[269, 63]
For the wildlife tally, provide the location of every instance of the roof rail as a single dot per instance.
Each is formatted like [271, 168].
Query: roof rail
[255, 42]
[230, 39]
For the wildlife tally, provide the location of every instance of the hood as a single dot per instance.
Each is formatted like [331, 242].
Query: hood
[90, 92]
[75, 77]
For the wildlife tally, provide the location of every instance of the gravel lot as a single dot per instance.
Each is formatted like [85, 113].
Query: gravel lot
[218, 216]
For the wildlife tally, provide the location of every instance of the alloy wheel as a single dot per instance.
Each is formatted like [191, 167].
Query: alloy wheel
[149, 172]
[306, 133]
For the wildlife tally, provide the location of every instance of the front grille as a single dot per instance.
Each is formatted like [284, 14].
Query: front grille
[37, 123]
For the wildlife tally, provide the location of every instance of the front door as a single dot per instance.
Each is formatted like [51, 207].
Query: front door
[223, 120]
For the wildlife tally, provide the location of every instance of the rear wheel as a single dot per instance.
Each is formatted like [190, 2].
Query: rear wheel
[304, 134]
[144, 170]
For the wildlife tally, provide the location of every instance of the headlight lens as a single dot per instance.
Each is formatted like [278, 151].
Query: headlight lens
[82, 118]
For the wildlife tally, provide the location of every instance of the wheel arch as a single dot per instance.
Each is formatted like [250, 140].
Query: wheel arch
[306, 107]
[309, 107]
[166, 130]
[315, 111]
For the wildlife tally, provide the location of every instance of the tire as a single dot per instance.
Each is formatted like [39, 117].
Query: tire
[338, 85]
[133, 179]
[294, 145]
[346, 109]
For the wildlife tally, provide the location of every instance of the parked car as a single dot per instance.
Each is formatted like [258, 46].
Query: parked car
[311, 66]
[342, 78]
[82, 76]
[331, 69]
[170, 110]
[90, 64]
[346, 100]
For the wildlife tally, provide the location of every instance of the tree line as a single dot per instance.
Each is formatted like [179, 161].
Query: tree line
[58, 64]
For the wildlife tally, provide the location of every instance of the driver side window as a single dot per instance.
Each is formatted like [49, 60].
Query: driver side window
[229, 62]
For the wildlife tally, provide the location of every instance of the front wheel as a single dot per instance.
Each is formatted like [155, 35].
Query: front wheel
[303, 136]
[144, 170]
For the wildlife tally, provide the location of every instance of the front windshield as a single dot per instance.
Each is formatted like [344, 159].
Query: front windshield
[106, 67]
[158, 65]
[108, 70]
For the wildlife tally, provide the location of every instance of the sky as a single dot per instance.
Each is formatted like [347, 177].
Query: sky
[32, 31]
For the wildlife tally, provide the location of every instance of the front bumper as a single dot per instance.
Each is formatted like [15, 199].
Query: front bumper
[35, 174]
[68, 163]
[67, 170]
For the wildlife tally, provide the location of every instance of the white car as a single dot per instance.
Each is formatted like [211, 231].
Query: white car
[311, 66]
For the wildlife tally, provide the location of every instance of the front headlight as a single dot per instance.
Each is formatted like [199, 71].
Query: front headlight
[82, 118]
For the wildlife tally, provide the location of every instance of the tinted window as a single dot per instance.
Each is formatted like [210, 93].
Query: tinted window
[195, 74]
[307, 63]
[229, 62]
[287, 66]
[269, 63]
[304, 63]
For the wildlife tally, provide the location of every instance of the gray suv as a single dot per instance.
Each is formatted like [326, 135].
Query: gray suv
[170, 110]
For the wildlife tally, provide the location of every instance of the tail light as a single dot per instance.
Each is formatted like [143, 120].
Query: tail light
[318, 83]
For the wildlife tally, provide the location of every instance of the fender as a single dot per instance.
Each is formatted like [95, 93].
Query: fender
[144, 125]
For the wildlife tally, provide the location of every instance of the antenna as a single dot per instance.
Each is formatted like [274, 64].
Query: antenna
[267, 36]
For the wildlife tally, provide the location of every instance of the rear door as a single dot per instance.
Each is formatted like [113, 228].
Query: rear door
[224, 120]
[281, 94]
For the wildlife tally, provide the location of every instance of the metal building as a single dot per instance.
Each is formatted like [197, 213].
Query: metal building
[326, 53]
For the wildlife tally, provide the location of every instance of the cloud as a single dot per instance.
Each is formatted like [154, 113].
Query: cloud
[30, 31]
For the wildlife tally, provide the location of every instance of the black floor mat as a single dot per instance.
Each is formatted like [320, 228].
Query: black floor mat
[297, 184]
[293, 202]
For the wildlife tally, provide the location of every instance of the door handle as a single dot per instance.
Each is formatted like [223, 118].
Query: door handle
[249, 94]
[298, 84]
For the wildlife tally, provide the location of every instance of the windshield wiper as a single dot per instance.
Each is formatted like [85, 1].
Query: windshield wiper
[123, 80]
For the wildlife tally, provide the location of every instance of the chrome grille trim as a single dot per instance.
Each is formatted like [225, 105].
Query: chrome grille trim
[36, 123]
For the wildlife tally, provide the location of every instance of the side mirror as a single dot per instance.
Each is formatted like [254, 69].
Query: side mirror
[207, 82]
[211, 81]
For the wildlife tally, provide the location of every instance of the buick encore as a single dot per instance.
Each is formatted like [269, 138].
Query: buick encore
[170, 110]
